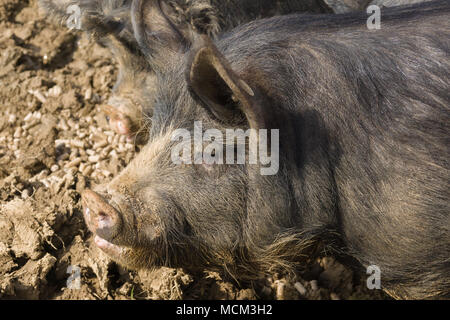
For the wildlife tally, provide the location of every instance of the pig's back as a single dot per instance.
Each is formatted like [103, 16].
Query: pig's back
[383, 98]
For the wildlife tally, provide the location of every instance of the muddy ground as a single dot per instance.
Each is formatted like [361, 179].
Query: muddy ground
[53, 143]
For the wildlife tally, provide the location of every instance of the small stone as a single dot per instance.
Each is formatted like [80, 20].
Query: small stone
[37, 115]
[88, 94]
[113, 154]
[31, 124]
[82, 135]
[38, 95]
[55, 91]
[61, 141]
[28, 117]
[45, 182]
[25, 194]
[18, 132]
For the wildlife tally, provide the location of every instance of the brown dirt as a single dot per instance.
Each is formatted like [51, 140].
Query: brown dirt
[53, 143]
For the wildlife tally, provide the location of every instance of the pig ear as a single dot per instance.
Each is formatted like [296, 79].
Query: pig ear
[153, 29]
[213, 82]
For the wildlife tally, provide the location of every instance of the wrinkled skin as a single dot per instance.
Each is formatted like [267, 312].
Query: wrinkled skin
[363, 154]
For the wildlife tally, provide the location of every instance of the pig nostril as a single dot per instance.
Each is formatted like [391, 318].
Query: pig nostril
[102, 216]
[105, 224]
[104, 220]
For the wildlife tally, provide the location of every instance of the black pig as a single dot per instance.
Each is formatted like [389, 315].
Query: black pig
[364, 132]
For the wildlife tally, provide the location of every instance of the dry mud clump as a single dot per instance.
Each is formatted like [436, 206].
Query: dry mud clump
[53, 143]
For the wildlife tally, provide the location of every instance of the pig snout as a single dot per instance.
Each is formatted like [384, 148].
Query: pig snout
[118, 120]
[101, 218]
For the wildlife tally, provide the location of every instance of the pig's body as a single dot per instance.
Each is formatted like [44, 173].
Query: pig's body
[364, 125]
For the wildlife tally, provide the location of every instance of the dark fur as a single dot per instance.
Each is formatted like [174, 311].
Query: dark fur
[365, 133]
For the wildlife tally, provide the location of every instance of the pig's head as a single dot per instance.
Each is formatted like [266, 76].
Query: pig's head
[201, 216]
[109, 23]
